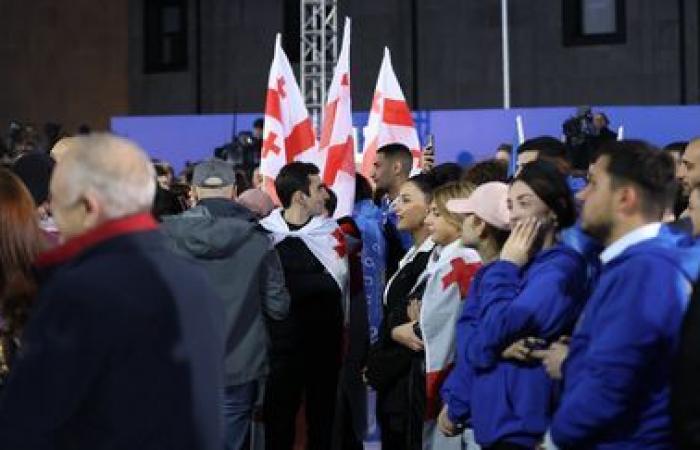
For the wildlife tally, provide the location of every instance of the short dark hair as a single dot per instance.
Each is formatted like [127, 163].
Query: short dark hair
[486, 171]
[163, 168]
[363, 190]
[331, 202]
[292, 178]
[678, 147]
[641, 164]
[505, 148]
[545, 146]
[398, 152]
[242, 181]
[550, 185]
[259, 123]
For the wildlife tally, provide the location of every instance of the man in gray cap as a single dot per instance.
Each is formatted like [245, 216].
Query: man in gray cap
[244, 269]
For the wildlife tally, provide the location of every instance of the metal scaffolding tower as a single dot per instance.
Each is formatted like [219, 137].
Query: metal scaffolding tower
[319, 52]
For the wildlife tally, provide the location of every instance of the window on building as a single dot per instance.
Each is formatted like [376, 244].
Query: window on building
[594, 22]
[291, 36]
[165, 35]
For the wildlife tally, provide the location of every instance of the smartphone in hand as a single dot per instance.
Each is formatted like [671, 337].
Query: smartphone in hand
[428, 156]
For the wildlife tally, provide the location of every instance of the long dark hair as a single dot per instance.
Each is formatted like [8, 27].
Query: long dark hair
[549, 184]
[426, 183]
[20, 242]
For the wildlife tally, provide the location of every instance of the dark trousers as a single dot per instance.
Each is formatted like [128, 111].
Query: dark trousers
[393, 415]
[394, 429]
[312, 376]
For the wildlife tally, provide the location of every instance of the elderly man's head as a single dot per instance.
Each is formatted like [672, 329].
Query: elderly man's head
[62, 147]
[102, 178]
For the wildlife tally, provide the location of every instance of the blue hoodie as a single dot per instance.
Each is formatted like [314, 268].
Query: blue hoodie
[617, 374]
[456, 390]
[512, 401]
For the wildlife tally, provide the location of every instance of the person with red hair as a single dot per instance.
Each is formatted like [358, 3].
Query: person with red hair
[20, 242]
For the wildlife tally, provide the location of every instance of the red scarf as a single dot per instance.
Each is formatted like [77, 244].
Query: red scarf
[108, 230]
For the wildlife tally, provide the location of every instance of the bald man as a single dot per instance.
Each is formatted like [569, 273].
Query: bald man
[124, 348]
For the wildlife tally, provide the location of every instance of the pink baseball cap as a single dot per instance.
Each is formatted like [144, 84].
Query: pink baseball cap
[488, 201]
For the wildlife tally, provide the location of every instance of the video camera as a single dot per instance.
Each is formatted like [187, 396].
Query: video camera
[243, 153]
[579, 127]
[580, 134]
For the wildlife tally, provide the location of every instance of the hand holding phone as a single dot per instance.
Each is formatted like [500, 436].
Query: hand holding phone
[428, 154]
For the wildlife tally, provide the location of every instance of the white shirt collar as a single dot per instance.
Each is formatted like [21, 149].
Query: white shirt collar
[648, 231]
[426, 246]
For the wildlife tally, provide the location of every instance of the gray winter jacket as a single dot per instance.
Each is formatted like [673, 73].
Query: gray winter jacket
[244, 269]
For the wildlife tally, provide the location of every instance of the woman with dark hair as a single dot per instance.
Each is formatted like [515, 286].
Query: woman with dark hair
[20, 242]
[532, 297]
[390, 359]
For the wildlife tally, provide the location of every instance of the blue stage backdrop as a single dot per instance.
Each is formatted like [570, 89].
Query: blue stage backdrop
[460, 135]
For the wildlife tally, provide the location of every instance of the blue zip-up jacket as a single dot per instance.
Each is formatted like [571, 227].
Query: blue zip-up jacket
[618, 371]
[456, 390]
[368, 218]
[512, 401]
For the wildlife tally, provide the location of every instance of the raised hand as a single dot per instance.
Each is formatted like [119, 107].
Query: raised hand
[521, 243]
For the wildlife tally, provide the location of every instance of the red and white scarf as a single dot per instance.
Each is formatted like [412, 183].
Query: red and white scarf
[326, 241]
[447, 276]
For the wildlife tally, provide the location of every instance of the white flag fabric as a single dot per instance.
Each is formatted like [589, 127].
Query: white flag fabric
[326, 241]
[447, 281]
[390, 119]
[288, 133]
[337, 146]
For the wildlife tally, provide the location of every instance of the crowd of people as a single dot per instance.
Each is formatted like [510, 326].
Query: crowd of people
[546, 308]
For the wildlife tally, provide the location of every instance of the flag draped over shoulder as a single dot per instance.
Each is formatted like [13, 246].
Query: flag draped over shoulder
[390, 119]
[326, 241]
[288, 133]
[336, 146]
[447, 281]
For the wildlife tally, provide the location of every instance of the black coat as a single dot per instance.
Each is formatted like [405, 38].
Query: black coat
[685, 395]
[123, 351]
[393, 400]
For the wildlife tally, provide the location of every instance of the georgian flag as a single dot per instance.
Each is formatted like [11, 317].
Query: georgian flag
[288, 133]
[390, 119]
[337, 146]
[326, 241]
[447, 281]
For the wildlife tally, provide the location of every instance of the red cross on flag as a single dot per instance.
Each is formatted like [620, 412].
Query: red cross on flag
[336, 144]
[288, 133]
[390, 119]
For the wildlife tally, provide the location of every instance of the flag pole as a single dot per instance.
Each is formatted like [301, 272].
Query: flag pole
[506, 54]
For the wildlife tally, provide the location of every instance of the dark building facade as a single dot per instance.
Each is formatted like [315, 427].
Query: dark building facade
[86, 61]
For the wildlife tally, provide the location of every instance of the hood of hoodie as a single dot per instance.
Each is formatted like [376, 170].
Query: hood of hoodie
[673, 245]
[205, 236]
[222, 207]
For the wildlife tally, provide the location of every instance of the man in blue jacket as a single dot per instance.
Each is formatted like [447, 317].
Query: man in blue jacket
[618, 370]
[124, 348]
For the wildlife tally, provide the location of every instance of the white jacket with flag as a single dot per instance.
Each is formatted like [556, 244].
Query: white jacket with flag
[447, 277]
[326, 241]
